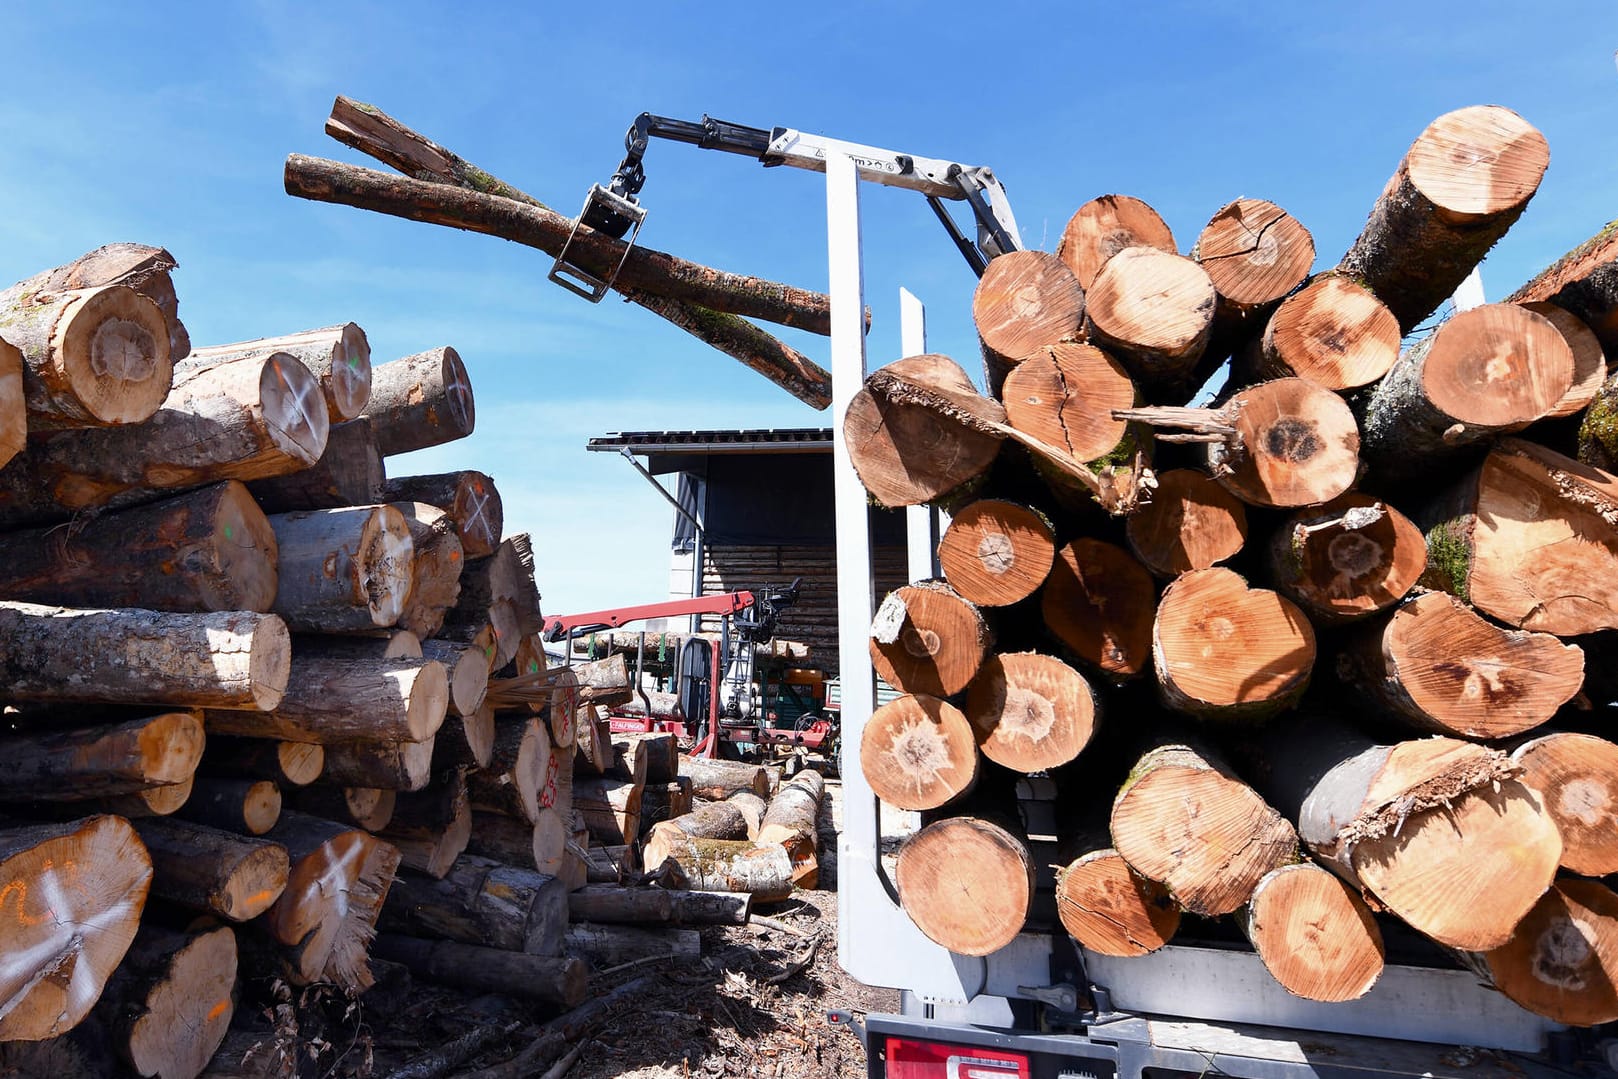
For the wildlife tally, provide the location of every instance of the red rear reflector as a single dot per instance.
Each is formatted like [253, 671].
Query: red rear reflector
[909, 1059]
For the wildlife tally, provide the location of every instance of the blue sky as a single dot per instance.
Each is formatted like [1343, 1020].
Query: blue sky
[168, 124]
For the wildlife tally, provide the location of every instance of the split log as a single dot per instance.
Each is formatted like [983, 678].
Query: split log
[91, 356]
[379, 135]
[1104, 904]
[1333, 332]
[726, 865]
[224, 659]
[1185, 820]
[906, 451]
[140, 267]
[516, 775]
[348, 473]
[171, 1001]
[1223, 650]
[1099, 602]
[1576, 778]
[488, 970]
[1529, 539]
[241, 421]
[347, 689]
[210, 550]
[1562, 962]
[1440, 667]
[1435, 830]
[1313, 934]
[1347, 559]
[610, 807]
[469, 497]
[612, 945]
[617, 905]
[1152, 311]
[435, 571]
[326, 916]
[643, 269]
[338, 356]
[966, 883]
[395, 766]
[713, 778]
[211, 870]
[1105, 226]
[752, 806]
[792, 823]
[996, 553]
[296, 764]
[918, 752]
[926, 639]
[1024, 301]
[370, 808]
[1030, 712]
[420, 401]
[1192, 522]
[244, 806]
[430, 828]
[1460, 186]
[343, 570]
[59, 763]
[1486, 371]
[481, 902]
[659, 749]
[1589, 361]
[73, 897]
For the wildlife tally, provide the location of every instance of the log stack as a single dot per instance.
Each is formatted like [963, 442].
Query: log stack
[1323, 654]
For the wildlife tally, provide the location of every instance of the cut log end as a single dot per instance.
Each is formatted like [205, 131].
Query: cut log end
[113, 347]
[1347, 559]
[938, 644]
[997, 553]
[1478, 161]
[1254, 252]
[1576, 777]
[1498, 366]
[1589, 360]
[1333, 332]
[1064, 395]
[1105, 226]
[1024, 301]
[1031, 712]
[1314, 935]
[1562, 961]
[1109, 908]
[1192, 522]
[294, 409]
[1155, 310]
[966, 883]
[1296, 444]
[185, 1014]
[1099, 602]
[349, 388]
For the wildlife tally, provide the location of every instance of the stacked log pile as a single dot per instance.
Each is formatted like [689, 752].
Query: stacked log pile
[1327, 654]
[249, 727]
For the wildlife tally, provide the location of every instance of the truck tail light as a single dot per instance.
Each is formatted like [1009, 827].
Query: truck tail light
[911, 1059]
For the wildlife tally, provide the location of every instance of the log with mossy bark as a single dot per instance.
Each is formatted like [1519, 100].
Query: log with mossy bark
[1529, 539]
[481, 902]
[1436, 830]
[75, 892]
[925, 638]
[1192, 522]
[1025, 301]
[1460, 186]
[1333, 332]
[349, 473]
[1099, 603]
[373, 132]
[81, 753]
[244, 420]
[1314, 934]
[1440, 667]
[1346, 559]
[170, 1003]
[723, 865]
[338, 356]
[212, 870]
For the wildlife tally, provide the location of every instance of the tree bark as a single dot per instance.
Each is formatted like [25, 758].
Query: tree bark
[1460, 186]
[348, 473]
[435, 575]
[150, 802]
[615, 904]
[241, 421]
[1529, 539]
[1185, 820]
[489, 970]
[1487, 371]
[142, 268]
[430, 828]
[244, 806]
[375, 133]
[612, 945]
[792, 822]
[73, 895]
[468, 683]
[1152, 311]
[1313, 934]
[420, 401]
[610, 807]
[1191, 523]
[1223, 650]
[927, 639]
[1333, 332]
[326, 916]
[99, 759]
[1434, 830]
[918, 752]
[712, 778]
[210, 550]
[171, 1001]
[966, 883]
[343, 570]
[295, 764]
[211, 870]
[1105, 226]
[1024, 302]
[996, 553]
[395, 766]
[725, 865]
[1440, 667]
[660, 751]
[226, 659]
[370, 808]
[1099, 602]
[1347, 559]
[1562, 962]
[1576, 778]
[338, 356]
[91, 356]
[484, 903]
[709, 820]
[516, 776]
[469, 497]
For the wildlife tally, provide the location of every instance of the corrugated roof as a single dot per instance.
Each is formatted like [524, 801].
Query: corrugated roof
[757, 440]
